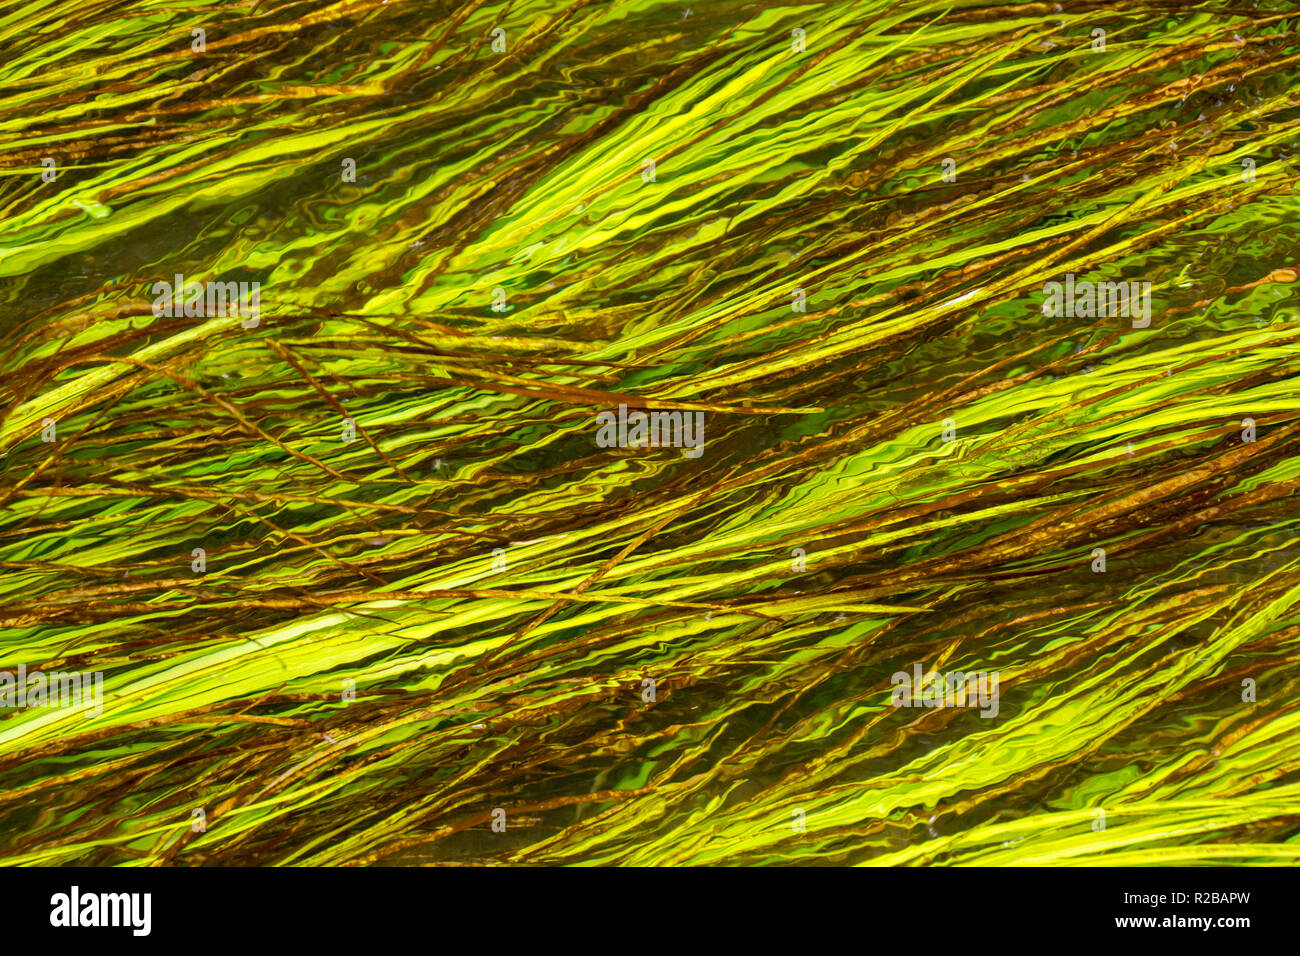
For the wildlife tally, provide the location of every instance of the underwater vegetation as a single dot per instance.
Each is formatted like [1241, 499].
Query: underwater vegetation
[649, 433]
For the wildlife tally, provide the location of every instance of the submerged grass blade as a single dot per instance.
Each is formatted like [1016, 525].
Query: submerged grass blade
[427, 593]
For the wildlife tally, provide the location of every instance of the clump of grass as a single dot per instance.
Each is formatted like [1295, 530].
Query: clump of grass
[368, 567]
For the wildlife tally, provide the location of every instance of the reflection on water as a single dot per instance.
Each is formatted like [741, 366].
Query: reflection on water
[431, 593]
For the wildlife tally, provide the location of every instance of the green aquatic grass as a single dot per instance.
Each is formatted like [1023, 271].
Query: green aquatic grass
[368, 566]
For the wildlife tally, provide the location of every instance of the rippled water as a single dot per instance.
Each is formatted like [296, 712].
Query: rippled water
[735, 209]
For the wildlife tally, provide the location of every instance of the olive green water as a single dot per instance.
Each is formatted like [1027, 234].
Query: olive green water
[739, 210]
